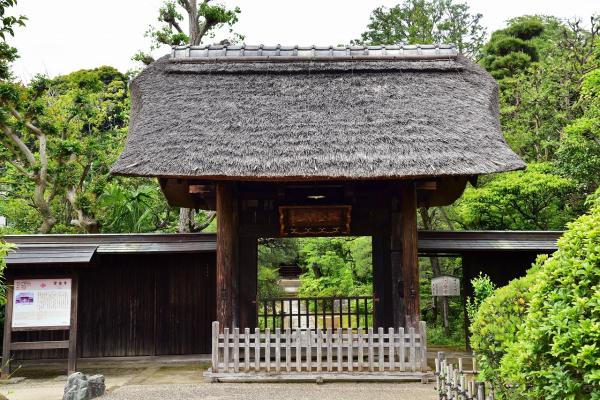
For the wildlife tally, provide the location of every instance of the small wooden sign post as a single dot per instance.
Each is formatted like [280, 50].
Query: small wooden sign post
[445, 286]
[42, 305]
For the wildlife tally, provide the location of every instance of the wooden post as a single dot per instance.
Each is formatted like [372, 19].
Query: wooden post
[72, 364]
[7, 329]
[410, 263]
[382, 282]
[396, 248]
[248, 278]
[227, 243]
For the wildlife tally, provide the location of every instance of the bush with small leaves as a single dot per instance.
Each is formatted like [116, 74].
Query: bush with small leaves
[557, 354]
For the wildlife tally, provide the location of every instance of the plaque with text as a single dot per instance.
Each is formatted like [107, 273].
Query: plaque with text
[41, 303]
[315, 220]
[445, 286]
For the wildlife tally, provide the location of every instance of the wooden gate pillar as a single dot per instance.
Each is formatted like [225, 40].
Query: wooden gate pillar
[227, 256]
[248, 276]
[404, 256]
[410, 258]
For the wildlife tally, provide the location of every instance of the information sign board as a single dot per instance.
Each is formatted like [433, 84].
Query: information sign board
[39, 303]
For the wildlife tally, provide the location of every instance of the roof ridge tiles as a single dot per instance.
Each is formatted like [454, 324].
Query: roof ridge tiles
[314, 52]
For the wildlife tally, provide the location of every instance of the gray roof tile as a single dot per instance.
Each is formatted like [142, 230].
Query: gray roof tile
[231, 52]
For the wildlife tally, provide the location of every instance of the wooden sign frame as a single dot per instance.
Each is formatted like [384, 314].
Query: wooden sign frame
[288, 227]
[70, 344]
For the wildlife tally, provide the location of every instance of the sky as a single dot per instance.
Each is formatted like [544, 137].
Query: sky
[66, 35]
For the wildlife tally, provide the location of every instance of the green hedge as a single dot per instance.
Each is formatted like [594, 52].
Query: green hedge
[557, 355]
[541, 334]
[496, 326]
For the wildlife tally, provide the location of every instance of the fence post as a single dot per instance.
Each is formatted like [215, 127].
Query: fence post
[480, 390]
[236, 349]
[423, 333]
[226, 349]
[288, 349]
[256, 349]
[215, 346]
[277, 350]
[246, 349]
[439, 364]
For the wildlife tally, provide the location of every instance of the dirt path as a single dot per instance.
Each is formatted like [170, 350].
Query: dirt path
[278, 391]
[157, 381]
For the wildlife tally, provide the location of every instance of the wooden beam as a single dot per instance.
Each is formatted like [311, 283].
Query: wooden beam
[410, 262]
[227, 247]
[45, 345]
[395, 263]
[382, 281]
[248, 277]
[72, 343]
[7, 329]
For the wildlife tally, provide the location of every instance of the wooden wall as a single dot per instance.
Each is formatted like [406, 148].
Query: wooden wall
[139, 305]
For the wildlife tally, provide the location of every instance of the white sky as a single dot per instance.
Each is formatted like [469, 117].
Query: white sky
[66, 35]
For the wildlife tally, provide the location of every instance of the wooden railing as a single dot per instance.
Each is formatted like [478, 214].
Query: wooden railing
[453, 382]
[315, 313]
[305, 352]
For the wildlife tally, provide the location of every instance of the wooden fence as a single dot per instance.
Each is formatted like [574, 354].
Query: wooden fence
[455, 383]
[297, 354]
[315, 312]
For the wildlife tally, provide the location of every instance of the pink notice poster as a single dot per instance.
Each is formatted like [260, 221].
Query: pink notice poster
[41, 303]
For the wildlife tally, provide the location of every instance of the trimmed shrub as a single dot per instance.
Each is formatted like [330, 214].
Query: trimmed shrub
[557, 354]
[483, 287]
[496, 327]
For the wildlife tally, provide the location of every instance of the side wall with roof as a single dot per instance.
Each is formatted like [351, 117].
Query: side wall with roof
[135, 305]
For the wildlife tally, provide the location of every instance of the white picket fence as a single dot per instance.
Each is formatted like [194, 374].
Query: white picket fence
[456, 383]
[296, 352]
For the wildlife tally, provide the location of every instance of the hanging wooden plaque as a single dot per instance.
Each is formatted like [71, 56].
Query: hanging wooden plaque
[314, 220]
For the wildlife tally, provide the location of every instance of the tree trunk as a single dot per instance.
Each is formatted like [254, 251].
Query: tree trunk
[186, 217]
[84, 221]
[193, 23]
[41, 184]
[187, 221]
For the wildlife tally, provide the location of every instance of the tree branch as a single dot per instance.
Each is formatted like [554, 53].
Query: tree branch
[21, 169]
[37, 131]
[20, 144]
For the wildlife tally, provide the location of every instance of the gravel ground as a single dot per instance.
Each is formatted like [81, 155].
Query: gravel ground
[276, 391]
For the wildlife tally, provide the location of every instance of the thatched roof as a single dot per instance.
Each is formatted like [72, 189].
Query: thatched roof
[314, 113]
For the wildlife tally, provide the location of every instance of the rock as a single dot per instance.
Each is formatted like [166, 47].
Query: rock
[97, 386]
[80, 387]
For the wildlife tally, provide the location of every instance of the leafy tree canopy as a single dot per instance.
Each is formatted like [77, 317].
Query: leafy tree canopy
[534, 199]
[426, 21]
[59, 138]
[203, 19]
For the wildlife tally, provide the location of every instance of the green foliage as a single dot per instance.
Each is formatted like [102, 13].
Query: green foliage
[483, 287]
[271, 254]
[522, 200]
[74, 128]
[268, 282]
[173, 14]
[578, 155]
[4, 249]
[496, 325]
[426, 21]
[8, 23]
[336, 267]
[139, 207]
[513, 49]
[557, 354]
